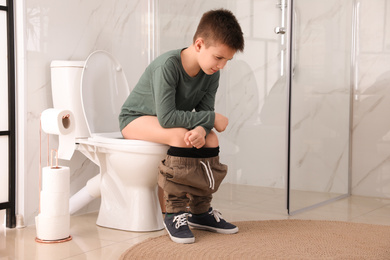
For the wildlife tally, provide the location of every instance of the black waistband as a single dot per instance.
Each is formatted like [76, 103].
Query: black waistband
[193, 152]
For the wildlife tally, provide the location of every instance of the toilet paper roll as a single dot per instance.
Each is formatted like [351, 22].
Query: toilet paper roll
[56, 179]
[54, 203]
[61, 123]
[52, 228]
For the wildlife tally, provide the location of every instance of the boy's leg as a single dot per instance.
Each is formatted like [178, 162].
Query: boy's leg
[176, 202]
[179, 176]
[199, 173]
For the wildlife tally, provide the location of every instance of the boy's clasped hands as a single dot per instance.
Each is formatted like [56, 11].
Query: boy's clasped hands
[197, 136]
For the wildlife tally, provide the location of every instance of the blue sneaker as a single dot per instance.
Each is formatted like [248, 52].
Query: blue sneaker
[211, 221]
[177, 226]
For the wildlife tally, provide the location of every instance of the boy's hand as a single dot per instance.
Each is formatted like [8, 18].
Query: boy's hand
[196, 137]
[220, 122]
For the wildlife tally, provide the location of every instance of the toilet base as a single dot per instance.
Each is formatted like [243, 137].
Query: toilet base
[128, 185]
[141, 215]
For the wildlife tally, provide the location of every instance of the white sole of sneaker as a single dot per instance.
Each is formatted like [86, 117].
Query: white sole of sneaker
[212, 229]
[187, 240]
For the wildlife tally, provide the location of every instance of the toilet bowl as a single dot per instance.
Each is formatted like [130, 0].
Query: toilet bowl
[94, 90]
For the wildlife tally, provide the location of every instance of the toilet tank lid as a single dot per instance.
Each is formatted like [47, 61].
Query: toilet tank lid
[67, 63]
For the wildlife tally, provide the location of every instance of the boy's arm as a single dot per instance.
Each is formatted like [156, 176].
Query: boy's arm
[208, 103]
[220, 121]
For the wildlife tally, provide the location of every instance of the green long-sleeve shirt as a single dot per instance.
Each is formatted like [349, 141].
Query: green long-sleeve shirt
[165, 90]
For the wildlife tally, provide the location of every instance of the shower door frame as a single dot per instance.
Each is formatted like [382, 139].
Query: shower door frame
[289, 76]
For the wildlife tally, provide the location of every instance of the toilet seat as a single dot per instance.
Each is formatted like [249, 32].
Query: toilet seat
[117, 138]
[114, 141]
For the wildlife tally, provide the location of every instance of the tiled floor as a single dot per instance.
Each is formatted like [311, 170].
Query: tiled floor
[237, 203]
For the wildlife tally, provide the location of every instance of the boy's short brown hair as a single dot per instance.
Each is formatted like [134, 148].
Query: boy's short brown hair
[220, 26]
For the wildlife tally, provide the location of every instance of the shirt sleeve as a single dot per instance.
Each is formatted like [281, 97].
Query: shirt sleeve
[165, 80]
[208, 101]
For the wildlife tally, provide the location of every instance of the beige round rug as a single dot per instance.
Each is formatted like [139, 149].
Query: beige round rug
[275, 239]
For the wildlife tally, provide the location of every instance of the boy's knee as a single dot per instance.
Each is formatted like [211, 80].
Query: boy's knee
[212, 140]
[177, 138]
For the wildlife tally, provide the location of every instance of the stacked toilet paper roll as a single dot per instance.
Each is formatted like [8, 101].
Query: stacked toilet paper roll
[53, 222]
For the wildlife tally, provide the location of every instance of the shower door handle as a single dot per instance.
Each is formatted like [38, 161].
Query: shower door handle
[280, 30]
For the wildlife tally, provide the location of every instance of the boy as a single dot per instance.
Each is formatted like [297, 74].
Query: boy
[161, 109]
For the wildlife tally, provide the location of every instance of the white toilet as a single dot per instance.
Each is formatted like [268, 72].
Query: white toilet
[94, 90]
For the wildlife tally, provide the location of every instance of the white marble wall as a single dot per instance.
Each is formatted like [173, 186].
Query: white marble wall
[371, 121]
[252, 92]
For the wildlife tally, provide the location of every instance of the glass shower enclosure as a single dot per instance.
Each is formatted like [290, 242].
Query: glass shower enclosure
[319, 79]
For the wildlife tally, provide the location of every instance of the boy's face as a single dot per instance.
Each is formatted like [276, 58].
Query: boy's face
[214, 57]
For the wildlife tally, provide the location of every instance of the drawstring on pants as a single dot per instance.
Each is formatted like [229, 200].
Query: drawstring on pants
[209, 173]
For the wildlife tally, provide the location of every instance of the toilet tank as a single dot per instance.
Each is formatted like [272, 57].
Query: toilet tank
[66, 92]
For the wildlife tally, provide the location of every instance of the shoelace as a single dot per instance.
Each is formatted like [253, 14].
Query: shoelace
[181, 220]
[216, 214]
[209, 173]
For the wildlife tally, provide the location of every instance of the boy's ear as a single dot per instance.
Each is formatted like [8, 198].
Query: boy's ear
[199, 43]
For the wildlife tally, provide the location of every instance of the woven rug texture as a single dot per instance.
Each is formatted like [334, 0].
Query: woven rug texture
[275, 239]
